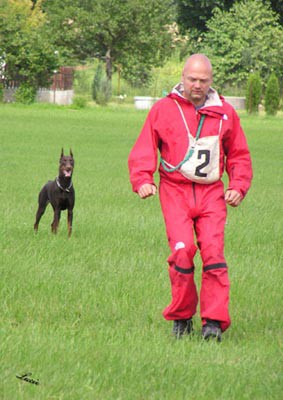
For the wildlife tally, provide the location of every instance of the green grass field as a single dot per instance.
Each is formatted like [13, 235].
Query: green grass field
[83, 315]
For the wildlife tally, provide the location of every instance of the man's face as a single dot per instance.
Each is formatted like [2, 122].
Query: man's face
[197, 79]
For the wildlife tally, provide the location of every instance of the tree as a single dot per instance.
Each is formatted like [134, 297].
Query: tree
[25, 47]
[68, 24]
[253, 93]
[277, 6]
[193, 14]
[128, 33]
[272, 95]
[247, 38]
[101, 89]
[138, 40]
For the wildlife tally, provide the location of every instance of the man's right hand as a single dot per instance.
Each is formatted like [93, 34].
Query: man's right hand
[147, 190]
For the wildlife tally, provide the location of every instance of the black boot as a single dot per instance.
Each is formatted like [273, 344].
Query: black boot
[182, 327]
[211, 330]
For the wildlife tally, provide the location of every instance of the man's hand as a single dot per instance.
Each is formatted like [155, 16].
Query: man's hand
[233, 198]
[146, 190]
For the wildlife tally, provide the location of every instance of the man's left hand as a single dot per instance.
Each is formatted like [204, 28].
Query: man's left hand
[233, 198]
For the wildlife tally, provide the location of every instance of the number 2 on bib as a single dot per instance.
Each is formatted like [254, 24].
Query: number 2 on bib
[206, 154]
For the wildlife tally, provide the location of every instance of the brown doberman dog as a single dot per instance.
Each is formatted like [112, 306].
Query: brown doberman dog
[59, 193]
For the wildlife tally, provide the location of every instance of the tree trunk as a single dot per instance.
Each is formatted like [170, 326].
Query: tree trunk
[108, 61]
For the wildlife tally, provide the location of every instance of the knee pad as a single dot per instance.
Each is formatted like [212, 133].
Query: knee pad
[183, 256]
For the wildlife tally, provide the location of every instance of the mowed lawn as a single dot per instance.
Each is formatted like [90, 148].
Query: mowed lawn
[83, 315]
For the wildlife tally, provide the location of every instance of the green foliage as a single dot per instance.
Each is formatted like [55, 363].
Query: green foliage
[101, 86]
[25, 93]
[37, 36]
[82, 82]
[253, 93]
[272, 95]
[162, 78]
[193, 14]
[68, 27]
[247, 38]
[96, 84]
[277, 6]
[79, 102]
[135, 37]
[25, 44]
[138, 75]
[1, 92]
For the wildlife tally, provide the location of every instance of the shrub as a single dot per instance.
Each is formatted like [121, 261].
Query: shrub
[272, 95]
[101, 87]
[82, 82]
[79, 102]
[253, 93]
[25, 94]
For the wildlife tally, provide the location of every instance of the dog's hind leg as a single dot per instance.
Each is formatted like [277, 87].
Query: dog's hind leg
[42, 204]
[39, 214]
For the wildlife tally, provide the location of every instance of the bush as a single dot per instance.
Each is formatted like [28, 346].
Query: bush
[82, 82]
[25, 94]
[101, 87]
[79, 102]
[272, 95]
[253, 93]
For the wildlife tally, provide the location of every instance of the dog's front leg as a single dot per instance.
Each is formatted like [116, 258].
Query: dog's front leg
[55, 223]
[70, 221]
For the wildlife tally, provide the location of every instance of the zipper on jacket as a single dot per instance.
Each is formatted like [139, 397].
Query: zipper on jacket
[194, 192]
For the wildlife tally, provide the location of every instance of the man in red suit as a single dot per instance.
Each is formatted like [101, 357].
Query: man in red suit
[198, 135]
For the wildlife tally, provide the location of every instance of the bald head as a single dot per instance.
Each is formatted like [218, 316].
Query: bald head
[198, 61]
[197, 78]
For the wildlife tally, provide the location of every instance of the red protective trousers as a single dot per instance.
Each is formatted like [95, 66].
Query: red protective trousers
[190, 210]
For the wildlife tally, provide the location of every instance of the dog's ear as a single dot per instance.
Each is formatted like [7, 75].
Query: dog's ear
[62, 152]
[71, 153]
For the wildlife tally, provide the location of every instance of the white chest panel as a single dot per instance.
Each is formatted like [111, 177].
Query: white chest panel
[204, 164]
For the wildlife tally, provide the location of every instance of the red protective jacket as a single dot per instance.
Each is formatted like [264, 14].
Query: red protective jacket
[164, 129]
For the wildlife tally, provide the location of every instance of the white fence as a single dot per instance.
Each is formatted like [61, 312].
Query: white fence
[61, 97]
[239, 103]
